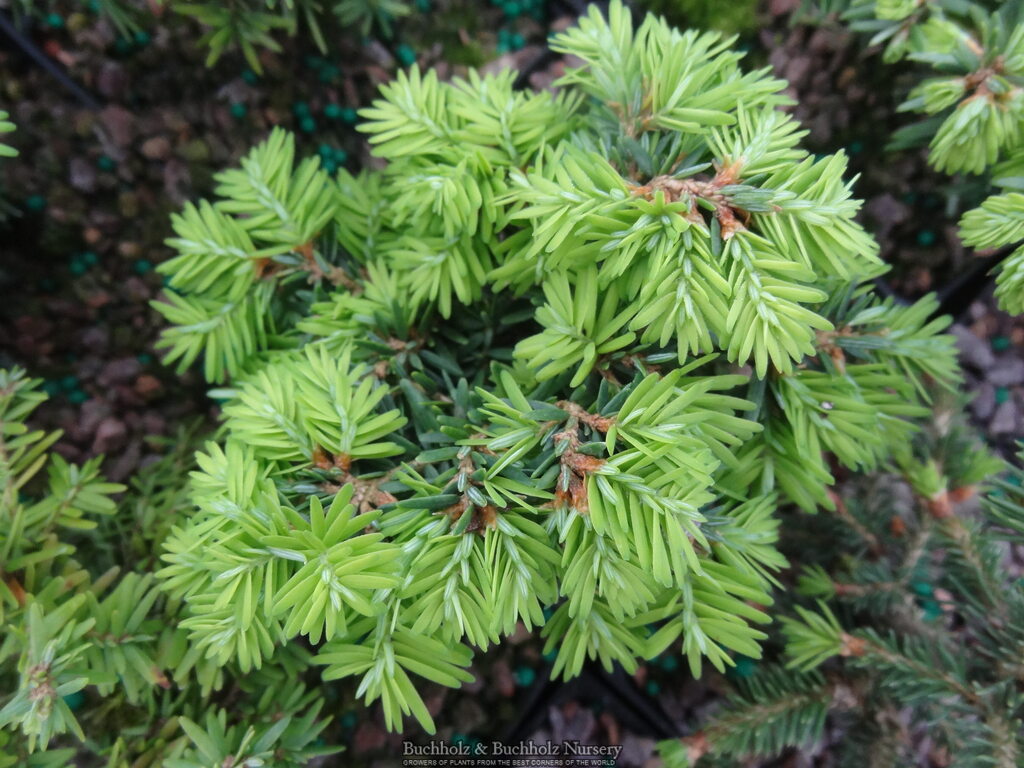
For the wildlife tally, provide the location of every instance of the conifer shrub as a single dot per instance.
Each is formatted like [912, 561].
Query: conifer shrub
[557, 362]
[93, 663]
[905, 623]
[246, 26]
[255, 26]
[38, 573]
[252, 25]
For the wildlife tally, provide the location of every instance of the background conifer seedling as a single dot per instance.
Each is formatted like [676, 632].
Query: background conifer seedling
[970, 92]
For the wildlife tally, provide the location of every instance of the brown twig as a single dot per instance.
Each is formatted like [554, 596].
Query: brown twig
[730, 218]
[841, 511]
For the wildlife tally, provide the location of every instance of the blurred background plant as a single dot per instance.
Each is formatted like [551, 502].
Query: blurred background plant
[968, 58]
[739, 17]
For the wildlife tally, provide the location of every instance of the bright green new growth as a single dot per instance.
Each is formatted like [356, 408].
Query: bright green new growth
[555, 364]
[999, 223]
[974, 100]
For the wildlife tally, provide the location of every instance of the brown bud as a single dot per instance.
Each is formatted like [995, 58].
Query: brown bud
[852, 646]
[962, 493]
[940, 506]
[696, 746]
[320, 458]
